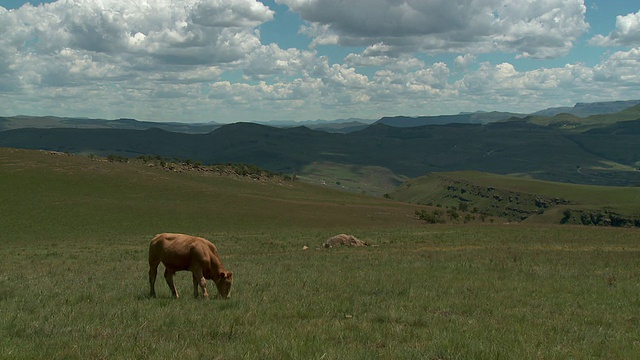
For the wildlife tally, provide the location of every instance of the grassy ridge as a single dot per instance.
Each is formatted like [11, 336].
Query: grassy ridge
[624, 199]
[491, 193]
[84, 195]
[73, 275]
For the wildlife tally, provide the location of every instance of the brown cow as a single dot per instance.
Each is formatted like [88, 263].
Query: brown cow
[184, 252]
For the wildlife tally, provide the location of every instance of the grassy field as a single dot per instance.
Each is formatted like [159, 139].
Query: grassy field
[73, 275]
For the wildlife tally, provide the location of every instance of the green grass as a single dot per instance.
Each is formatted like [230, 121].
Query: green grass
[444, 292]
[73, 275]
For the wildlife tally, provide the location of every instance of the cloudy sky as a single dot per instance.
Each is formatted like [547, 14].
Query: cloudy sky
[250, 60]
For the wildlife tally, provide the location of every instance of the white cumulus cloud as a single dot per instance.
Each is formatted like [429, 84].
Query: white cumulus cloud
[120, 56]
[531, 28]
[626, 33]
[137, 33]
[271, 60]
[195, 60]
[462, 62]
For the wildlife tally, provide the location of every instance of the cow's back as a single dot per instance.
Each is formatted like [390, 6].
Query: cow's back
[178, 251]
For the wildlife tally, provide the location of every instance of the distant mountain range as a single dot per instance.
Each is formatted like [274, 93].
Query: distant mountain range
[463, 118]
[336, 126]
[579, 110]
[598, 149]
[52, 122]
[589, 109]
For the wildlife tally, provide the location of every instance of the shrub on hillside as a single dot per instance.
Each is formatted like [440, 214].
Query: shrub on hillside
[430, 218]
[117, 158]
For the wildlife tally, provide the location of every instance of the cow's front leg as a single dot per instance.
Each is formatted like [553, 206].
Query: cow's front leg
[203, 285]
[199, 280]
[168, 275]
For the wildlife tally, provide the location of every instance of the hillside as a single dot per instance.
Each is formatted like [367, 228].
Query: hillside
[80, 193]
[55, 189]
[520, 199]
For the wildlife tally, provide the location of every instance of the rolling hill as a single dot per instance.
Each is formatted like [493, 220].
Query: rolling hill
[520, 199]
[596, 150]
[514, 147]
[79, 194]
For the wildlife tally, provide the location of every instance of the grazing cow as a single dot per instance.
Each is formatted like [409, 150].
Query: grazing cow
[184, 252]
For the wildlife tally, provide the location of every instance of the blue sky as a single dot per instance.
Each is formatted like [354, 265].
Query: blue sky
[249, 60]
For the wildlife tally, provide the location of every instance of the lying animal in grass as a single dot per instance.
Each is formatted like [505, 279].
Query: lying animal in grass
[185, 252]
[343, 239]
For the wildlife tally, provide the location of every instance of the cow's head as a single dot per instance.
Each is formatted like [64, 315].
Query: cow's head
[224, 284]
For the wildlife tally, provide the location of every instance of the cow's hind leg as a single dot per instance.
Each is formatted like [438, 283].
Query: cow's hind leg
[153, 273]
[168, 275]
